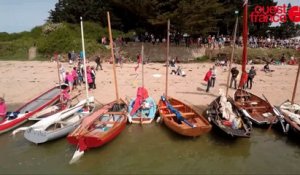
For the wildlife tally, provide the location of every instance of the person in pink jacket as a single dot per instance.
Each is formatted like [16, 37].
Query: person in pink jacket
[75, 77]
[2, 109]
[89, 77]
[70, 80]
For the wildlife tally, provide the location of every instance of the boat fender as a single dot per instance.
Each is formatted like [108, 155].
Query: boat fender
[287, 127]
[129, 118]
[246, 113]
[158, 119]
[209, 119]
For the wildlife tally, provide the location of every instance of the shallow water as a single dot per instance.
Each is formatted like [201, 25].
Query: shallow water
[154, 149]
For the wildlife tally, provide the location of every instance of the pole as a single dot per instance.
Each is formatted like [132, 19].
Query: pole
[244, 76]
[232, 52]
[296, 82]
[84, 61]
[142, 65]
[59, 81]
[113, 56]
[167, 59]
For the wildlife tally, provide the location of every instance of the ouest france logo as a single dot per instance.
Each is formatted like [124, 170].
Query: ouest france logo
[266, 14]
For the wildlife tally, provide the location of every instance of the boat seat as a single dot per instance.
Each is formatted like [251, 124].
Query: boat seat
[115, 113]
[244, 95]
[255, 107]
[184, 114]
[175, 106]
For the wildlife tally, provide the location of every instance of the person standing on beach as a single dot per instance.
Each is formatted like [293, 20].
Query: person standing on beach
[234, 74]
[207, 78]
[98, 62]
[62, 72]
[93, 74]
[69, 80]
[251, 75]
[213, 76]
[75, 77]
[2, 109]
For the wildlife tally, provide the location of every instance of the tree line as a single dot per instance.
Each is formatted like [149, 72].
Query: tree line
[195, 17]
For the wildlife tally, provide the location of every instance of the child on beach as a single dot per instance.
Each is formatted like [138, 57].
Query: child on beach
[2, 109]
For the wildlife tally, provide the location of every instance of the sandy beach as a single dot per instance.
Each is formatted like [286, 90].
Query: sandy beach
[22, 81]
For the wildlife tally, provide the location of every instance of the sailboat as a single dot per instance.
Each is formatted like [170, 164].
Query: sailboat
[62, 123]
[291, 111]
[32, 108]
[224, 114]
[258, 110]
[142, 109]
[178, 116]
[104, 124]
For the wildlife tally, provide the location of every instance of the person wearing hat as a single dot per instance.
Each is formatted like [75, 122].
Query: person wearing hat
[234, 74]
[2, 109]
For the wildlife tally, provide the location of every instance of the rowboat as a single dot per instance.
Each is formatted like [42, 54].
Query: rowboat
[21, 115]
[59, 124]
[259, 111]
[181, 118]
[224, 114]
[142, 109]
[291, 113]
[99, 128]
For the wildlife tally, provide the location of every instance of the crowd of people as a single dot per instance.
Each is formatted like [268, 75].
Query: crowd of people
[217, 41]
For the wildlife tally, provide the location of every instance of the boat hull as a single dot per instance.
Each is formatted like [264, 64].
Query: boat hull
[46, 99]
[93, 132]
[200, 124]
[259, 111]
[215, 116]
[290, 117]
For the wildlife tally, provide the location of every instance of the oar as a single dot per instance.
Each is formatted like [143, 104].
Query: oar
[76, 156]
[277, 113]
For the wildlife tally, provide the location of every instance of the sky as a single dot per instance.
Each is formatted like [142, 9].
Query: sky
[23, 15]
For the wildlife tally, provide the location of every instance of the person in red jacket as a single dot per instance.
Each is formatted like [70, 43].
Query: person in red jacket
[207, 78]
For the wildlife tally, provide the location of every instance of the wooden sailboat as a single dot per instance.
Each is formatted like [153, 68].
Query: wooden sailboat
[258, 110]
[21, 115]
[224, 114]
[104, 124]
[142, 109]
[291, 110]
[178, 116]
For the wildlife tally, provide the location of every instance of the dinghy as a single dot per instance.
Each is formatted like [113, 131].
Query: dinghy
[224, 114]
[291, 113]
[259, 111]
[181, 118]
[59, 124]
[21, 115]
[178, 116]
[142, 109]
[99, 128]
[104, 124]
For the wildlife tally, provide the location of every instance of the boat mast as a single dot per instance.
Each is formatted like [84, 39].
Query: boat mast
[232, 52]
[296, 82]
[167, 59]
[142, 64]
[84, 61]
[244, 76]
[112, 56]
